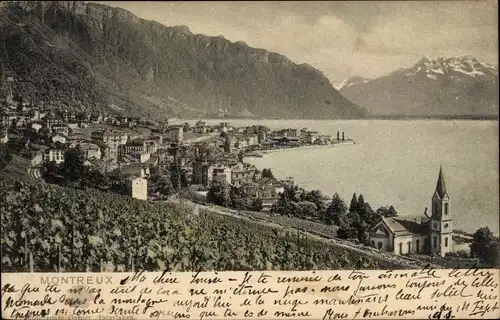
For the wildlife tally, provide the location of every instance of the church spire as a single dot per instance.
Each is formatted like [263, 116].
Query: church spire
[441, 186]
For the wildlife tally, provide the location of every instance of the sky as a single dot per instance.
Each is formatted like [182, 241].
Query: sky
[341, 39]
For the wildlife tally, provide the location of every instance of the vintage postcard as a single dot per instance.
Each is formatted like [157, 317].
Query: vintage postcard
[243, 160]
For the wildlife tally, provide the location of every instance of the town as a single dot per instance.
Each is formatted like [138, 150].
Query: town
[140, 150]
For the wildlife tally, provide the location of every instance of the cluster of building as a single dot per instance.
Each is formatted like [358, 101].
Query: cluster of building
[136, 147]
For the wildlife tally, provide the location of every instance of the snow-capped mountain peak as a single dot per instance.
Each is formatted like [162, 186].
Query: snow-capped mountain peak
[454, 67]
[351, 81]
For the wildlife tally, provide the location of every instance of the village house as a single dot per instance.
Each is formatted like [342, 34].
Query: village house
[36, 126]
[311, 137]
[58, 138]
[113, 138]
[138, 187]
[8, 118]
[96, 118]
[51, 120]
[289, 133]
[90, 150]
[304, 131]
[4, 136]
[136, 157]
[138, 146]
[427, 234]
[60, 128]
[224, 127]
[55, 154]
[242, 173]
[201, 127]
[219, 170]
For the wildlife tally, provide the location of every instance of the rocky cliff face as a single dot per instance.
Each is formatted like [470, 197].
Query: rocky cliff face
[101, 55]
[455, 86]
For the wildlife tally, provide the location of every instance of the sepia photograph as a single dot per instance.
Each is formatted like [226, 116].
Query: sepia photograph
[179, 136]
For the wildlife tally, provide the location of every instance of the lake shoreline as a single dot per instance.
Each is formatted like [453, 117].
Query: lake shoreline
[271, 151]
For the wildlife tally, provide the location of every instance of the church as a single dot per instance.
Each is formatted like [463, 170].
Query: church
[426, 234]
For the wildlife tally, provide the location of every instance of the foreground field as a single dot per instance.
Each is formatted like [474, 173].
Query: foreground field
[67, 229]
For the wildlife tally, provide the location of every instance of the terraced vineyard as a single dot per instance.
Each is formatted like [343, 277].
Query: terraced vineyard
[75, 230]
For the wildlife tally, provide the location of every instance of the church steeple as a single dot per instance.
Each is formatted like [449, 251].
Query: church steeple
[441, 185]
[440, 226]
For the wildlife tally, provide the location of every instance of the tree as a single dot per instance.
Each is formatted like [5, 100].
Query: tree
[73, 167]
[267, 173]
[392, 212]
[486, 247]
[335, 210]
[256, 205]
[361, 207]
[178, 177]
[387, 212]
[162, 184]
[218, 193]
[5, 155]
[306, 209]
[350, 225]
[354, 204]
[227, 144]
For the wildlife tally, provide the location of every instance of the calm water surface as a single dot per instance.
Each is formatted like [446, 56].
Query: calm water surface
[397, 162]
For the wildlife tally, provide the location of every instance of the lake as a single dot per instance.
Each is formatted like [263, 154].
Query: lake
[396, 162]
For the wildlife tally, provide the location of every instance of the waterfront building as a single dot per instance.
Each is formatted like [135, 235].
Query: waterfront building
[425, 234]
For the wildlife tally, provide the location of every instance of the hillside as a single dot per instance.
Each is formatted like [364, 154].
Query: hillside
[459, 86]
[91, 226]
[103, 57]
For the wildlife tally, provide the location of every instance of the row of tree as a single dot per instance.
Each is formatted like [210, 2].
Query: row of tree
[222, 194]
[353, 222]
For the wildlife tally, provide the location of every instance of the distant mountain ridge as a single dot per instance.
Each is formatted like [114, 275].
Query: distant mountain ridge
[454, 86]
[100, 56]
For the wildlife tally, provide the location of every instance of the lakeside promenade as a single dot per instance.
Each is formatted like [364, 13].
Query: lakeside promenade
[260, 153]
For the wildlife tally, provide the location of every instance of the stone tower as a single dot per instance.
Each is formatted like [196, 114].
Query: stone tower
[440, 228]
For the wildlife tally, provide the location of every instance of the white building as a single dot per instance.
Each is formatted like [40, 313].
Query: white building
[138, 188]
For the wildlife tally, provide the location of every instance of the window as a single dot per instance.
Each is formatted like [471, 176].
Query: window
[409, 247]
[418, 246]
[445, 226]
[446, 241]
[435, 242]
[445, 209]
[373, 243]
[379, 245]
[400, 248]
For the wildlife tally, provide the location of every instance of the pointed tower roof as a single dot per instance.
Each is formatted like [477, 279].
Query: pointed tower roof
[441, 186]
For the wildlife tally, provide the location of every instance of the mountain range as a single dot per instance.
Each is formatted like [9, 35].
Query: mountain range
[100, 57]
[453, 86]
